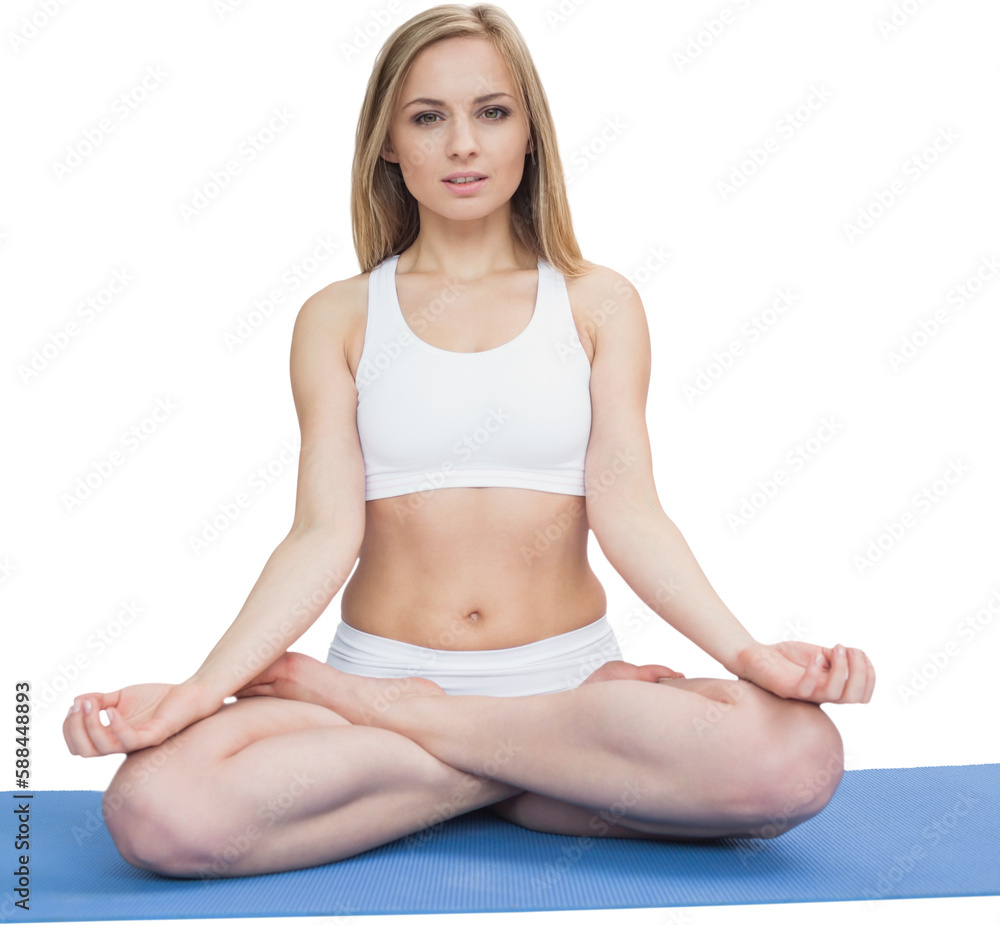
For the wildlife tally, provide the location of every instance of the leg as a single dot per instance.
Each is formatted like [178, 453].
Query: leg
[266, 784]
[684, 758]
[548, 814]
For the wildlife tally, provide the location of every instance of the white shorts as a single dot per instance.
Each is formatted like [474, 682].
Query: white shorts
[543, 667]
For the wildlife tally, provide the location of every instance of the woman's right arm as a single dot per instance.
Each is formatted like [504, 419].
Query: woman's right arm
[302, 575]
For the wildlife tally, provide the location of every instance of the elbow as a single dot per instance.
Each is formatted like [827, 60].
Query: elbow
[617, 526]
[346, 539]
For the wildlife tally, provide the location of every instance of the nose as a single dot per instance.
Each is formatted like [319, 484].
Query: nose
[462, 140]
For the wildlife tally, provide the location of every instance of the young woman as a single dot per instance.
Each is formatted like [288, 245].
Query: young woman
[471, 406]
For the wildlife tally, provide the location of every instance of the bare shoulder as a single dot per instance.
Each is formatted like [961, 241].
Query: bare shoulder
[336, 303]
[602, 295]
[336, 315]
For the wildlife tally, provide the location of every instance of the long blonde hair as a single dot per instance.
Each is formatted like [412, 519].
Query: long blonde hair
[384, 216]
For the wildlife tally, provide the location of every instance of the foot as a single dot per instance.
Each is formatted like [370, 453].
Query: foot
[360, 700]
[626, 671]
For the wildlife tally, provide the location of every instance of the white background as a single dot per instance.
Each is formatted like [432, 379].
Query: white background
[647, 140]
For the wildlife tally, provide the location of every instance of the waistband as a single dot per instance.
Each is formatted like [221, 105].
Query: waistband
[556, 663]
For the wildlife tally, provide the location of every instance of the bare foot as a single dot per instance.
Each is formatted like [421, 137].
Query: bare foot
[360, 700]
[625, 671]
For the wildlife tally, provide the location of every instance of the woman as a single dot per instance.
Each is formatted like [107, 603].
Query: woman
[471, 406]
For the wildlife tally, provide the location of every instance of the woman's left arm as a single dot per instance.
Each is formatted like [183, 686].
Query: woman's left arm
[645, 546]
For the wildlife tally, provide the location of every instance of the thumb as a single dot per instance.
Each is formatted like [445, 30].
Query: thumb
[122, 730]
[655, 672]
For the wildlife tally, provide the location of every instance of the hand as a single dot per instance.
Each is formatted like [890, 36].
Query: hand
[294, 676]
[140, 716]
[789, 670]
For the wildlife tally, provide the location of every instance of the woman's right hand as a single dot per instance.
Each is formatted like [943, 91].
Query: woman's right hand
[140, 715]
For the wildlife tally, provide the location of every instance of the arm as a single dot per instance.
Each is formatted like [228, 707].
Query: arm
[637, 537]
[643, 544]
[302, 575]
[313, 561]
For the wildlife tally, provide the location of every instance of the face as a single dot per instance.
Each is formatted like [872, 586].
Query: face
[443, 125]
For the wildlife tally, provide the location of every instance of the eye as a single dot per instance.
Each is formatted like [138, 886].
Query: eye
[501, 115]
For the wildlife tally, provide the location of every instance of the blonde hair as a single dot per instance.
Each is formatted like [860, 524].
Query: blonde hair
[384, 216]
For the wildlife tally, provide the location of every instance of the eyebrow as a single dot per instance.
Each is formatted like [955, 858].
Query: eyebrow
[426, 101]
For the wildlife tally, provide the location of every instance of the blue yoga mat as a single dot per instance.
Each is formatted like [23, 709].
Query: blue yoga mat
[888, 833]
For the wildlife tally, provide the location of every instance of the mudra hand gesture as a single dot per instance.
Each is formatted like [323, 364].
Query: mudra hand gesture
[802, 671]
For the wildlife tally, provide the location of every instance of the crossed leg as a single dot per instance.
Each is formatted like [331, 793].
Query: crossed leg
[687, 758]
[812, 772]
[270, 784]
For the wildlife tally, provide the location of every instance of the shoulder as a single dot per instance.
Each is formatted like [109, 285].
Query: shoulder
[336, 302]
[607, 304]
[338, 311]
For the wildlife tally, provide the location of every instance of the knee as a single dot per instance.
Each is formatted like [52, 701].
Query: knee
[152, 831]
[802, 769]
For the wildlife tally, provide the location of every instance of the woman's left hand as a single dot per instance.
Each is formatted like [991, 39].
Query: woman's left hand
[790, 670]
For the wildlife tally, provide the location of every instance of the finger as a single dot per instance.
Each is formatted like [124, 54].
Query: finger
[105, 741]
[810, 680]
[129, 739]
[255, 690]
[76, 736]
[870, 687]
[655, 672]
[75, 730]
[834, 690]
[857, 677]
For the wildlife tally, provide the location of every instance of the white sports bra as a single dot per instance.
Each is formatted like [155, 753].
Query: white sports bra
[515, 416]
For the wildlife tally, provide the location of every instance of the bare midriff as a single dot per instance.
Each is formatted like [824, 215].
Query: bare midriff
[474, 568]
[471, 568]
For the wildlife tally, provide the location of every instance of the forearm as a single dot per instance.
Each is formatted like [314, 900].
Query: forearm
[652, 556]
[298, 581]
